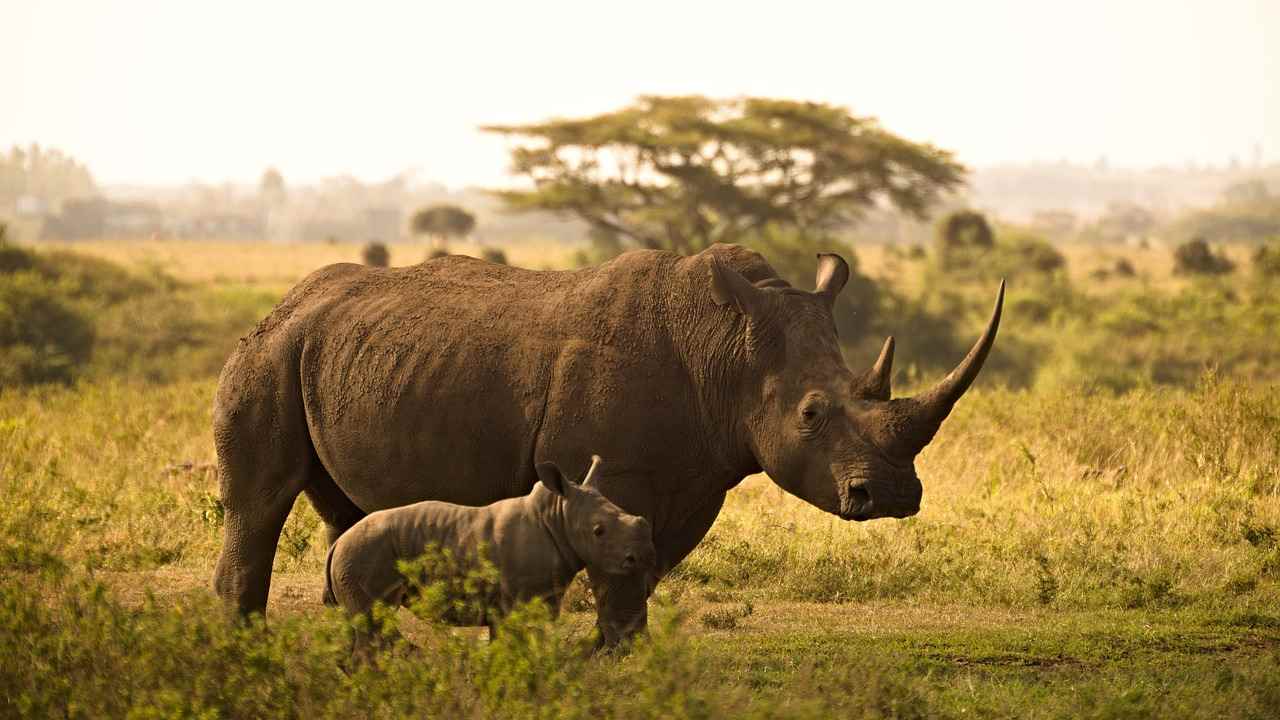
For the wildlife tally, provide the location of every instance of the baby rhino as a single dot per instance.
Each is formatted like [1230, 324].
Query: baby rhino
[537, 543]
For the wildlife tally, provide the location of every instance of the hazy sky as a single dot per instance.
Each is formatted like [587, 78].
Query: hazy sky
[158, 92]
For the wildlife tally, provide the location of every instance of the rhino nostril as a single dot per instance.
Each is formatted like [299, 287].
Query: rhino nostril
[858, 496]
[629, 559]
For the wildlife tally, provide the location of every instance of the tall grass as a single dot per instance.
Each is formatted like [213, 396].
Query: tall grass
[1158, 497]
[1103, 540]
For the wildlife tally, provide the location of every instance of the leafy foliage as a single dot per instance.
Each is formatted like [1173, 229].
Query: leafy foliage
[65, 315]
[682, 173]
[43, 336]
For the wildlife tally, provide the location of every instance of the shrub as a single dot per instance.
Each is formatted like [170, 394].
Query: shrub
[375, 254]
[65, 315]
[44, 336]
[963, 238]
[494, 255]
[437, 253]
[965, 228]
[1266, 259]
[1195, 257]
[72, 649]
[1031, 253]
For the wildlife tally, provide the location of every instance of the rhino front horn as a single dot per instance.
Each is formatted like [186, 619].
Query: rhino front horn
[927, 410]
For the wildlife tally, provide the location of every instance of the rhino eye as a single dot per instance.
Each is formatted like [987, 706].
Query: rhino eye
[598, 530]
[813, 413]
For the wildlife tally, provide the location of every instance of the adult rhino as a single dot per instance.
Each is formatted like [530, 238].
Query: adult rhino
[369, 388]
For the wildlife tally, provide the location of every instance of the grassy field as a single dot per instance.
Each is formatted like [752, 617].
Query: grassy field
[1078, 554]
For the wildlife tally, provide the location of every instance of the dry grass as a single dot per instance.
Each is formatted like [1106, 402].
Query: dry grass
[278, 266]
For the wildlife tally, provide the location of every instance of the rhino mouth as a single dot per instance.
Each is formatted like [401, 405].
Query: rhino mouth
[861, 500]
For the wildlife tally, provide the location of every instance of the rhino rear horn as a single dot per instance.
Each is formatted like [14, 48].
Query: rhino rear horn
[877, 381]
[925, 412]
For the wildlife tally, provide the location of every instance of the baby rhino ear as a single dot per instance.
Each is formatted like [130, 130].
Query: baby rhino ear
[551, 477]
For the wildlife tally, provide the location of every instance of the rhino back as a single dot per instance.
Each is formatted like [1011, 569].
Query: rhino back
[446, 380]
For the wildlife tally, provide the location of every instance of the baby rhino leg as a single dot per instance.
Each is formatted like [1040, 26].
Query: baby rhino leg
[349, 584]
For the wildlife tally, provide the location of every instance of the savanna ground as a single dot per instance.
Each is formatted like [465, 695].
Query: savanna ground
[1100, 533]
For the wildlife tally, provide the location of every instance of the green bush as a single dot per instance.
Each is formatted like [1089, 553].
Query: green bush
[44, 336]
[1195, 257]
[73, 650]
[64, 315]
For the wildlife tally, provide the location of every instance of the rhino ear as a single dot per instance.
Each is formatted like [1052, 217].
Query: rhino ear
[551, 477]
[728, 287]
[833, 273]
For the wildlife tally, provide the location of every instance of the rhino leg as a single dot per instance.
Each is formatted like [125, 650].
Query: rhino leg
[675, 543]
[243, 574]
[265, 459]
[332, 505]
[622, 607]
[622, 603]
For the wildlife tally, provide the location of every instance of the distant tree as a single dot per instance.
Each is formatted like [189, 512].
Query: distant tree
[271, 188]
[43, 173]
[682, 173]
[443, 222]
[376, 254]
[437, 252]
[1195, 257]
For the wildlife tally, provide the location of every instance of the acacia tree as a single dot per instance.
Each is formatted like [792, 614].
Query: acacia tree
[443, 222]
[684, 172]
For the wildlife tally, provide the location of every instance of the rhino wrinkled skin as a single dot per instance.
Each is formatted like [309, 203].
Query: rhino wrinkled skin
[537, 543]
[370, 388]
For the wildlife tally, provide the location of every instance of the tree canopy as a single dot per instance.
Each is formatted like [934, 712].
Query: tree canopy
[443, 221]
[684, 172]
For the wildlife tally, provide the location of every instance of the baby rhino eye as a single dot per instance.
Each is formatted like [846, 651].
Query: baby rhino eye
[598, 530]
